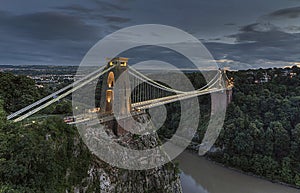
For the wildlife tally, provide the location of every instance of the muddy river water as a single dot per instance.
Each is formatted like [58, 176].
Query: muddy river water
[202, 176]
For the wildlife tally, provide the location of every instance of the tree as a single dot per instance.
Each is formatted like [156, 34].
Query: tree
[295, 146]
[243, 144]
[286, 172]
[281, 140]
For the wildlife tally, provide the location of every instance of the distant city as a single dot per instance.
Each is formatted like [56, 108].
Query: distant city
[46, 74]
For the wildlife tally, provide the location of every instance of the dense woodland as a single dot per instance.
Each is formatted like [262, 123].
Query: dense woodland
[41, 156]
[261, 133]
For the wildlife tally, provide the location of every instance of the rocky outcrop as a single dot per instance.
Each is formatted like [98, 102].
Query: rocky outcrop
[106, 178]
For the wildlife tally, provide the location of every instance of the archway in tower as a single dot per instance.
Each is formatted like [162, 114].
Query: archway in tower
[111, 80]
[110, 92]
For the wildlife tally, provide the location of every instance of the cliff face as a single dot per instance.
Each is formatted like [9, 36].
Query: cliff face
[106, 178]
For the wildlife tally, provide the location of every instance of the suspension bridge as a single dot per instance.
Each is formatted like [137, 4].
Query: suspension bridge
[146, 93]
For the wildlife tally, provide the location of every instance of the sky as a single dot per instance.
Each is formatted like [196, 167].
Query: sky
[240, 34]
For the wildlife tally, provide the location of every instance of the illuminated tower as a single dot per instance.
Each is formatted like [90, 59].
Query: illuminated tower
[115, 92]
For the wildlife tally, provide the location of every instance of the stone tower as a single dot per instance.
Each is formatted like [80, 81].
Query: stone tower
[115, 90]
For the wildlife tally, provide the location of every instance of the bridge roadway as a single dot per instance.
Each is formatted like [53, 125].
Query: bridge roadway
[169, 99]
[94, 119]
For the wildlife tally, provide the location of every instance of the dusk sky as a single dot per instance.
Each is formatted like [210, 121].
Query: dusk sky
[240, 34]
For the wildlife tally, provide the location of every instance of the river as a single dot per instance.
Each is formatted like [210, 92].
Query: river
[202, 176]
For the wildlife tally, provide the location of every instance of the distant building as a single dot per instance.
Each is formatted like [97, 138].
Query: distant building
[292, 74]
[266, 78]
[39, 86]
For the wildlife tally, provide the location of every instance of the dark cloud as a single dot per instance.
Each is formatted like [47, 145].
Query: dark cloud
[45, 38]
[116, 19]
[48, 26]
[230, 24]
[62, 34]
[250, 33]
[272, 41]
[293, 12]
[249, 28]
[109, 5]
[76, 8]
[254, 49]
[93, 14]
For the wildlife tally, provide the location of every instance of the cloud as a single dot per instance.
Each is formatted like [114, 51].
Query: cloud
[109, 5]
[76, 8]
[286, 20]
[254, 47]
[272, 41]
[269, 36]
[45, 37]
[93, 14]
[116, 19]
[48, 26]
[62, 34]
[293, 12]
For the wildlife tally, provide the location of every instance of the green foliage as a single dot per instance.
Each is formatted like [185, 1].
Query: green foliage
[261, 132]
[47, 156]
[262, 128]
[18, 91]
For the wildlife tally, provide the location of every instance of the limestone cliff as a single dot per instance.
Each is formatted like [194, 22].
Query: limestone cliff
[106, 178]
